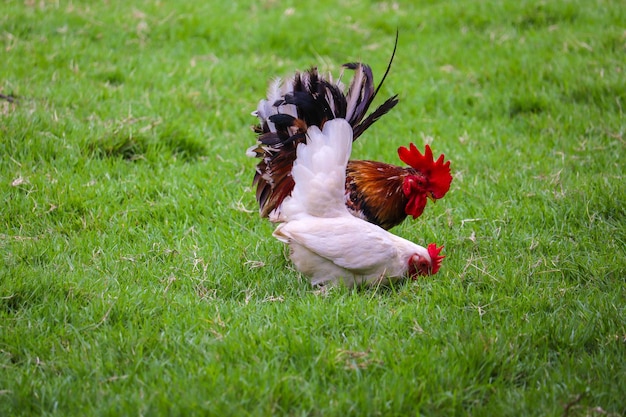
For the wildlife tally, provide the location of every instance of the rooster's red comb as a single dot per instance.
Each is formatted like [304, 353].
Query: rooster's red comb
[435, 258]
[436, 172]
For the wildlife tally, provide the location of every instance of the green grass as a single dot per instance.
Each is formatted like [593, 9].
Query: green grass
[137, 279]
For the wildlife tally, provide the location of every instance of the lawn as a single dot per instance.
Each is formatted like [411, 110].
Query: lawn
[136, 277]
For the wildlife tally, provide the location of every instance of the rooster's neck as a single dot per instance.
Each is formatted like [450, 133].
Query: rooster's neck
[374, 192]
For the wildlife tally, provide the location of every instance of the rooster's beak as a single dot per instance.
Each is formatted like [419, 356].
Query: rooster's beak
[431, 197]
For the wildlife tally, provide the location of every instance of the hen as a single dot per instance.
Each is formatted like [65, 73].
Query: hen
[380, 193]
[326, 242]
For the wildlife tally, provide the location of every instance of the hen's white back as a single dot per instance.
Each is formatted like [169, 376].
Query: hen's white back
[320, 173]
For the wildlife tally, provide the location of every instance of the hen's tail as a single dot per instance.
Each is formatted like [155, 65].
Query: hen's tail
[292, 107]
[319, 172]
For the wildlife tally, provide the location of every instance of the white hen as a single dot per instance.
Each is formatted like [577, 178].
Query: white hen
[328, 243]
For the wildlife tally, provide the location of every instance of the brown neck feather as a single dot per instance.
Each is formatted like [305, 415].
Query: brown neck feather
[376, 191]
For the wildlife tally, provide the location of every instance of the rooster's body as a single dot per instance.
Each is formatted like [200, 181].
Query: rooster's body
[328, 243]
[377, 192]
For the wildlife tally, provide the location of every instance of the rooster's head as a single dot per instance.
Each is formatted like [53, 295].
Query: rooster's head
[431, 178]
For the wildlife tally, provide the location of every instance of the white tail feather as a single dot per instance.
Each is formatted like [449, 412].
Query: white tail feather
[355, 91]
[320, 172]
[276, 91]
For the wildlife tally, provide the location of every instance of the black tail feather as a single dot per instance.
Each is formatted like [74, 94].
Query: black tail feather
[358, 124]
[393, 54]
[375, 115]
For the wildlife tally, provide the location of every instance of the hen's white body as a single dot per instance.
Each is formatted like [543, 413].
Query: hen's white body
[328, 243]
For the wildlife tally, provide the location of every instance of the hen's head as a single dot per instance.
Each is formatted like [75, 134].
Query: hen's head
[432, 179]
[420, 265]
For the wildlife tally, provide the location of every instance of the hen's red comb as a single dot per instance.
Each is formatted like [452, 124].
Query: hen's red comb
[436, 172]
[435, 258]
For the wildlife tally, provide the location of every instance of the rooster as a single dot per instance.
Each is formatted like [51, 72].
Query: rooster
[380, 193]
[327, 242]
